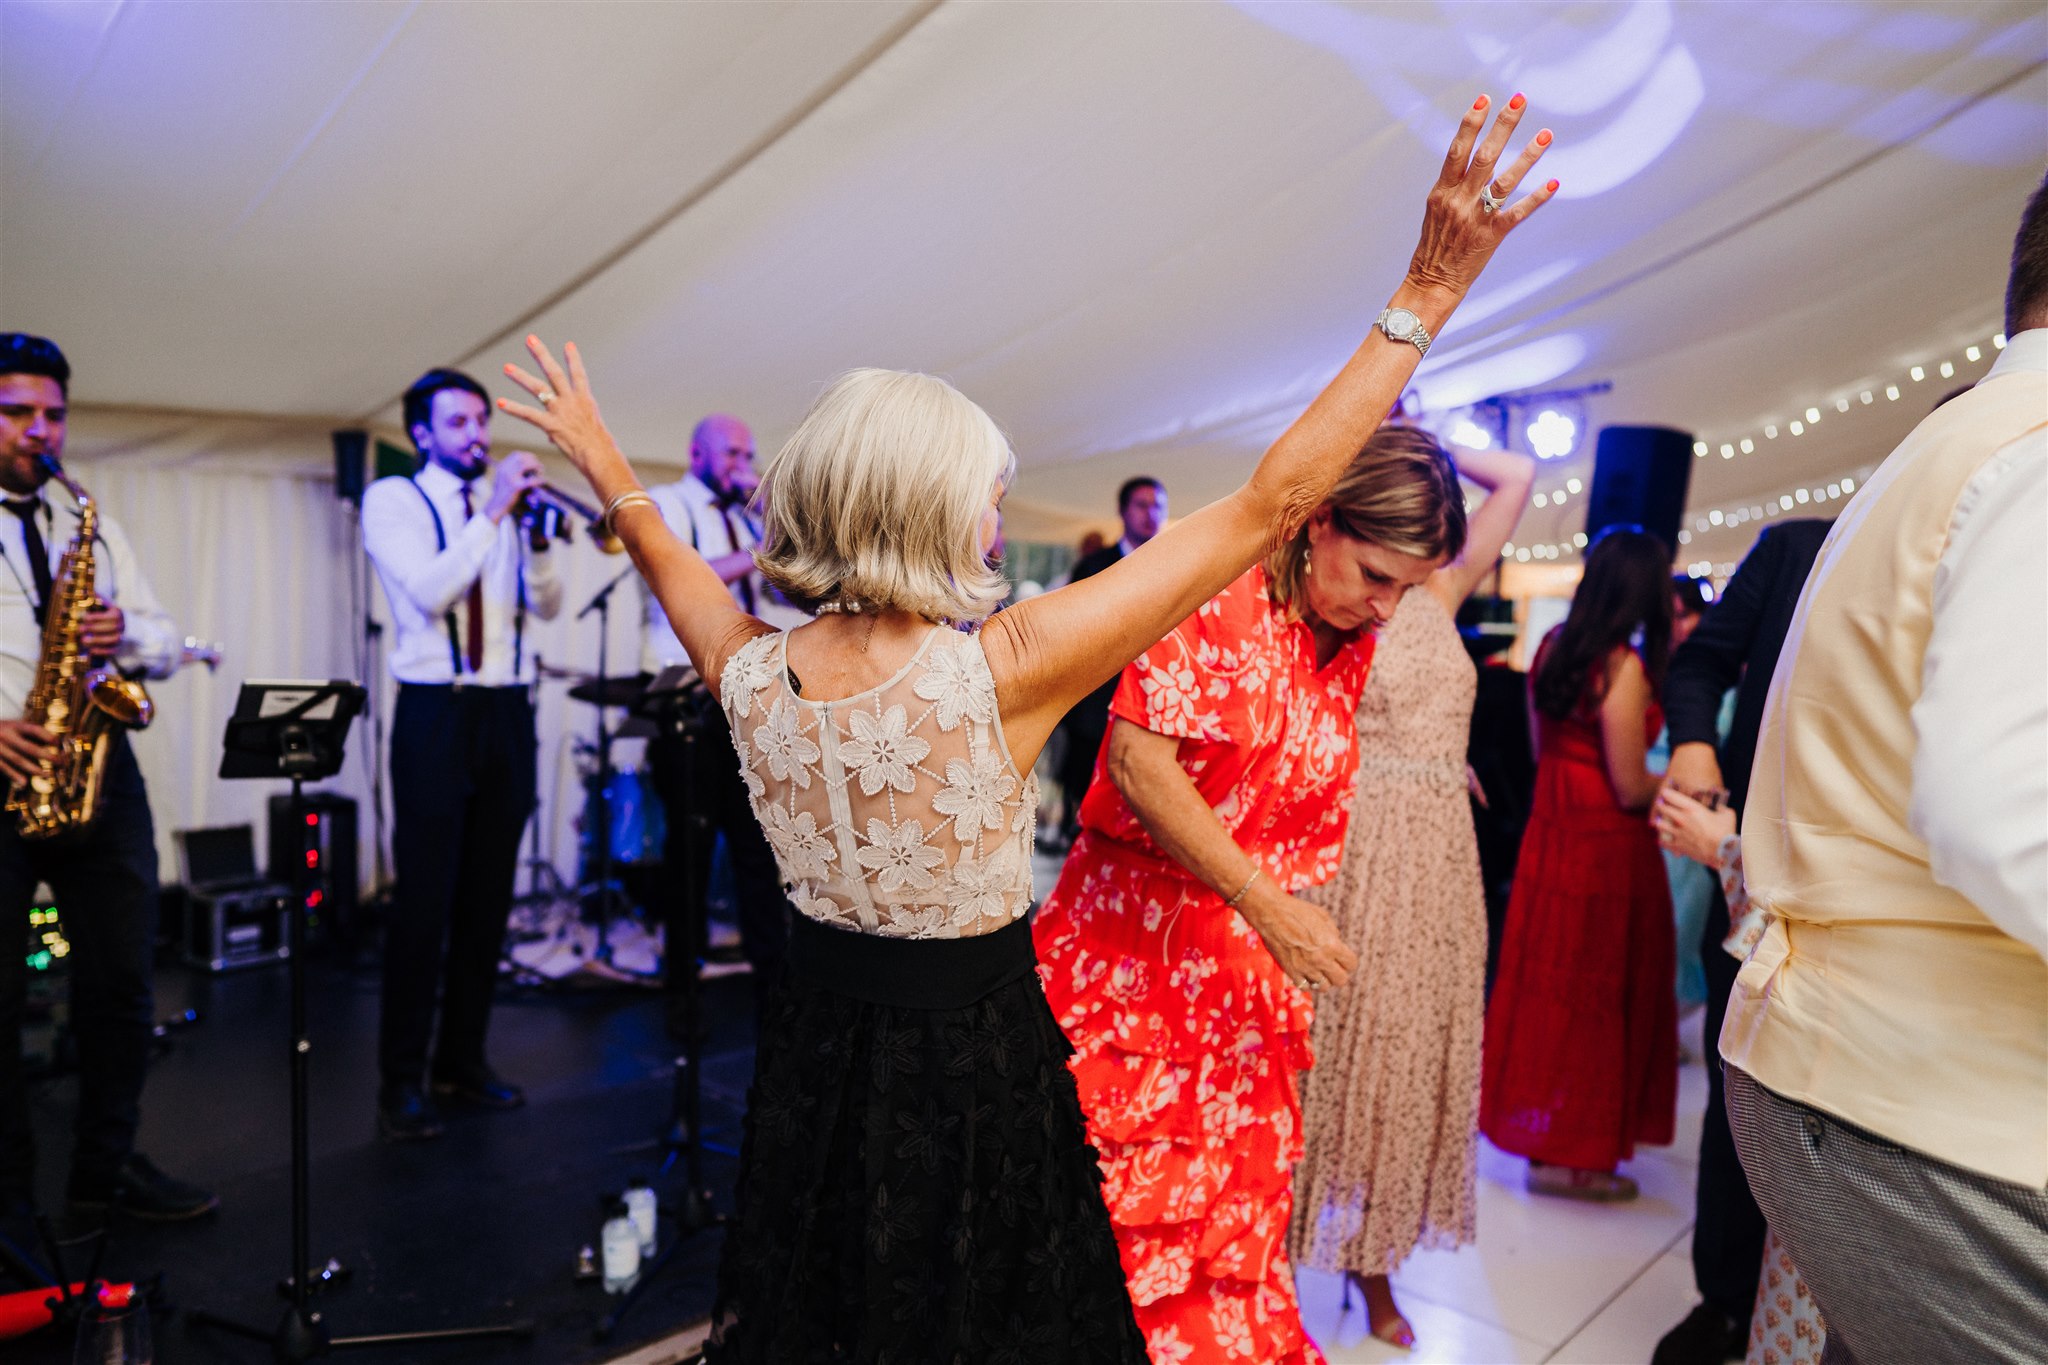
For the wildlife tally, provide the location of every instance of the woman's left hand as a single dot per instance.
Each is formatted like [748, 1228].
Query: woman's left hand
[568, 417]
[1690, 828]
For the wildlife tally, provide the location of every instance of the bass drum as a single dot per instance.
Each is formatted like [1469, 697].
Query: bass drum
[637, 824]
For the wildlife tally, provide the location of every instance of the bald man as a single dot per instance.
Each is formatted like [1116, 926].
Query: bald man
[708, 508]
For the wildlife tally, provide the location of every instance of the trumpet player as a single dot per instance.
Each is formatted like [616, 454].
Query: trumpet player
[462, 580]
[104, 874]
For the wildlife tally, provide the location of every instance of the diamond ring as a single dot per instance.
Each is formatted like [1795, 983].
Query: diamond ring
[546, 397]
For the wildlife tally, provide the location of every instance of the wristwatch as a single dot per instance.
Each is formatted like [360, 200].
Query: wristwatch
[1401, 325]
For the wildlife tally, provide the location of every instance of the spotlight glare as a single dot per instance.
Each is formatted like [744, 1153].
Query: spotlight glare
[1834, 491]
[1868, 397]
[1799, 495]
[1891, 391]
[1998, 342]
[1948, 369]
[1812, 416]
[1771, 432]
[1522, 556]
[1848, 485]
[1727, 451]
[1841, 405]
[1573, 486]
[1699, 447]
[1973, 354]
[1552, 435]
[1798, 428]
[1579, 540]
[1466, 432]
[1747, 445]
[1543, 500]
[1918, 372]
[1507, 551]
[1715, 516]
[1785, 502]
[1685, 537]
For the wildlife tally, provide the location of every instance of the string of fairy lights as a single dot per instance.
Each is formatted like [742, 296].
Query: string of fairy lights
[1799, 500]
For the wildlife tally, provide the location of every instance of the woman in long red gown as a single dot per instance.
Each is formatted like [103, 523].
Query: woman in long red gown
[1581, 1052]
[1174, 950]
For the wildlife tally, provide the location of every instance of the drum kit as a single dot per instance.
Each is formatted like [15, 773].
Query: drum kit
[596, 931]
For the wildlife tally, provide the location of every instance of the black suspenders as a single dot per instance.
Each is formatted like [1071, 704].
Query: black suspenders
[518, 617]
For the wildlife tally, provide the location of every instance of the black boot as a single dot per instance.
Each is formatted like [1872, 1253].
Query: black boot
[1706, 1337]
[405, 1114]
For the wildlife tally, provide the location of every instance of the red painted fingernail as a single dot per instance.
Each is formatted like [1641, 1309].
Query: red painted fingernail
[1543, 138]
[1518, 101]
[1479, 103]
[1553, 186]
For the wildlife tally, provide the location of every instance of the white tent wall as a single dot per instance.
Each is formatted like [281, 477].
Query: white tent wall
[237, 527]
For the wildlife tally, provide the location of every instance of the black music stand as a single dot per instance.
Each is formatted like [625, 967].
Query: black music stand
[298, 730]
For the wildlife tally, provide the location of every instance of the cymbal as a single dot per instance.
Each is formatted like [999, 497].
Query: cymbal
[613, 691]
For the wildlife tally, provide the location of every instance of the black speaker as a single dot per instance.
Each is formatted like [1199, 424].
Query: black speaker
[1640, 476]
[325, 844]
[351, 451]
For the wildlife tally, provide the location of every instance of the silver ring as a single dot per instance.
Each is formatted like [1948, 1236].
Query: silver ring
[546, 397]
[1489, 202]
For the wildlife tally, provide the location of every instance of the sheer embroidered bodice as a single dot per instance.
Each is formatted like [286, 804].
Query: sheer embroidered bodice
[896, 811]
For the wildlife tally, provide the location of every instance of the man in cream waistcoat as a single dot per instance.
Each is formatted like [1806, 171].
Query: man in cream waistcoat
[1887, 1042]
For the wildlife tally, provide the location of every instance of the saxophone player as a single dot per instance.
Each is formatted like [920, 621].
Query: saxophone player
[461, 580]
[104, 874]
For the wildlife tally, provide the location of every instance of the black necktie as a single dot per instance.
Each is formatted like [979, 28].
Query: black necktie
[732, 533]
[38, 552]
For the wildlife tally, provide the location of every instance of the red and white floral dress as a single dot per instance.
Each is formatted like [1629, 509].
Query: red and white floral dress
[1187, 1034]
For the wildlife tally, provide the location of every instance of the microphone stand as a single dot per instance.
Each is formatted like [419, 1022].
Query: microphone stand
[600, 899]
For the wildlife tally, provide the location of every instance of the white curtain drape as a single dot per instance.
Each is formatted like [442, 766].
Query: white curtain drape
[237, 526]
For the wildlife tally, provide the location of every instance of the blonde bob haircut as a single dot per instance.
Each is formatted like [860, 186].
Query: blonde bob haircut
[876, 501]
[1401, 492]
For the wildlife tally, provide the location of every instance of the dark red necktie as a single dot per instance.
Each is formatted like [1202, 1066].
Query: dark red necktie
[476, 602]
[746, 584]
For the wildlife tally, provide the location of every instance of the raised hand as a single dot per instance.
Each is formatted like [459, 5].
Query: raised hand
[569, 418]
[1467, 216]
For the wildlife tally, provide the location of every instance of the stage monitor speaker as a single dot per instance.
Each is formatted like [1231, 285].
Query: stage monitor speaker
[351, 455]
[331, 877]
[1640, 476]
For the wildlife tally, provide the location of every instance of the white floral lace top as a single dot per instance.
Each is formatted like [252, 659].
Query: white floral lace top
[896, 811]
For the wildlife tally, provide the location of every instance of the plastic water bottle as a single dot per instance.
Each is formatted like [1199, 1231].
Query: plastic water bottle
[640, 1207]
[620, 1245]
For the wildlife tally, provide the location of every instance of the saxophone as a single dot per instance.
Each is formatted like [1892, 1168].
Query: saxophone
[79, 705]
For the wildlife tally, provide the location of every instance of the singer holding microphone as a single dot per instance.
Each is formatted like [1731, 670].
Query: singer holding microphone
[461, 579]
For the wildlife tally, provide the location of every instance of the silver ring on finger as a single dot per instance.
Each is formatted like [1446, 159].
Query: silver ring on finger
[547, 397]
[1489, 202]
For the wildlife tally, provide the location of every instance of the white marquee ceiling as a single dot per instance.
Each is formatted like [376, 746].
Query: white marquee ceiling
[1140, 235]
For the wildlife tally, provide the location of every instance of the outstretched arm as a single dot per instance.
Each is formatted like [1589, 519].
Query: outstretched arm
[705, 618]
[1507, 478]
[1050, 652]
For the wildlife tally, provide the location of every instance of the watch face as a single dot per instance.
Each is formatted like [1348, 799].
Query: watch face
[1401, 323]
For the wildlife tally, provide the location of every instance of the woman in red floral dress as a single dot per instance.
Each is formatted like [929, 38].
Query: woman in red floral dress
[1174, 951]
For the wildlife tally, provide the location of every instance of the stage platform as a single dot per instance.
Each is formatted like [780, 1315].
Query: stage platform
[482, 1225]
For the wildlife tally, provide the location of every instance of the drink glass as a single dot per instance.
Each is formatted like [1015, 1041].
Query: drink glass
[115, 1334]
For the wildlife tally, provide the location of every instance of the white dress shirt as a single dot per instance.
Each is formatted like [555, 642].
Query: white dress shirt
[150, 641]
[1980, 766]
[699, 518]
[426, 585]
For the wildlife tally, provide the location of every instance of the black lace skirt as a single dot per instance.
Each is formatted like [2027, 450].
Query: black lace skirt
[915, 1185]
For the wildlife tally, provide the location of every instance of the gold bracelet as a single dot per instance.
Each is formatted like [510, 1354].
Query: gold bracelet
[632, 497]
[1231, 904]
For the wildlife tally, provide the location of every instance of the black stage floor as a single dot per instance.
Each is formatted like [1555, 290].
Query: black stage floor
[482, 1225]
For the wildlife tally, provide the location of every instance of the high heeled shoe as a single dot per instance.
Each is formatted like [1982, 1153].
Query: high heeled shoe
[1385, 1323]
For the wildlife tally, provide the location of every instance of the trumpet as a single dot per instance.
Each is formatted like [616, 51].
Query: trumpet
[544, 510]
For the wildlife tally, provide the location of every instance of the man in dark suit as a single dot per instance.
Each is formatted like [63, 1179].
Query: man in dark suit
[1737, 643]
[1141, 502]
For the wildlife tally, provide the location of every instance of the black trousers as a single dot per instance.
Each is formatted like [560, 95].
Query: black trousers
[462, 784]
[1728, 1236]
[104, 878]
[1077, 770]
[698, 781]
